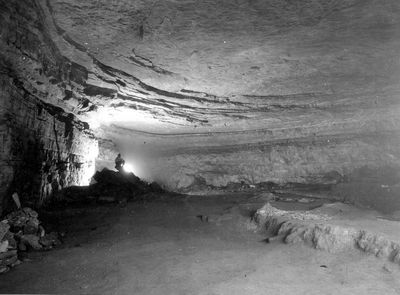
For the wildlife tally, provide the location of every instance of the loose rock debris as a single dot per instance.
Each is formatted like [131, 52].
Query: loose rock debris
[21, 231]
[110, 187]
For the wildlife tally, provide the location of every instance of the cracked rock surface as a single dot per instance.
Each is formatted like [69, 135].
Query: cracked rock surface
[333, 227]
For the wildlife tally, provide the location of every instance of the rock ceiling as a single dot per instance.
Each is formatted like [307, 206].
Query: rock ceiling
[226, 65]
[201, 94]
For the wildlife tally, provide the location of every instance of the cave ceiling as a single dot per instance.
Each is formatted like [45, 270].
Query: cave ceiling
[225, 65]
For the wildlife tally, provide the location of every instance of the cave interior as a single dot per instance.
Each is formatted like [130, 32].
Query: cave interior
[238, 121]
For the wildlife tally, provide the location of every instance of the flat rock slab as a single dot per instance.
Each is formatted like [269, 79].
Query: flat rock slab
[334, 227]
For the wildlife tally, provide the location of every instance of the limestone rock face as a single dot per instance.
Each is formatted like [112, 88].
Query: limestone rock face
[43, 149]
[195, 163]
[216, 92]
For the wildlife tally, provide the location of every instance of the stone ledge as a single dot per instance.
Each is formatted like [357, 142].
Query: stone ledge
[334, 228]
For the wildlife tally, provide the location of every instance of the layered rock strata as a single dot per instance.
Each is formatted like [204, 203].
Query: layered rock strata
[198, 163]
[43, 149]
[333, 228]
[203, 95]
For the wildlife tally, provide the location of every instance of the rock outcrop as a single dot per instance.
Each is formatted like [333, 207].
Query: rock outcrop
[331, 228]
[43, 148]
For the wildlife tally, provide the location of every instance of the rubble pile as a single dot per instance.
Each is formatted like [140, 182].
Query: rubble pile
[21, 231]
[110, 186]
[8, 248]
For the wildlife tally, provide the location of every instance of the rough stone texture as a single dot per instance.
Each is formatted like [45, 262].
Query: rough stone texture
[240, 47]
[333, 228]
[334, 59]
[43, 149]
[218, 92]
[293, 162]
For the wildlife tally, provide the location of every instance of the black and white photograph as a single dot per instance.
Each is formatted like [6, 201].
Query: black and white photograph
[200, 147]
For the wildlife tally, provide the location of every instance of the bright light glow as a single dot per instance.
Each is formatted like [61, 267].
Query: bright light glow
[128, 168]
[108, 115]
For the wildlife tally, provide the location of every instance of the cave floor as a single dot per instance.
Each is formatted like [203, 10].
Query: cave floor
[190, 245]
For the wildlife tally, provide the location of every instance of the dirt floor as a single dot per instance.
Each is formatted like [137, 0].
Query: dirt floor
[190, 246]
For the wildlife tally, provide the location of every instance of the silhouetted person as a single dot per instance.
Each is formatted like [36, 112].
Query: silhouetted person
[119, 163]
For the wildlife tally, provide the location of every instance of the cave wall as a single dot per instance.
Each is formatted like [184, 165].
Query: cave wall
[43, 149]
[321, 161]
[205, 142]
[207, 163]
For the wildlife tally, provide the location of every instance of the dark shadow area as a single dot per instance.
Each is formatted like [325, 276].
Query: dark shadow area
[107, 186]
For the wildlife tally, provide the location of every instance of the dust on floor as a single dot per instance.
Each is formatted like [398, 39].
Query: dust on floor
[189, 246]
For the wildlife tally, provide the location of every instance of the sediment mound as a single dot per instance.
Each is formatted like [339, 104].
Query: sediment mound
[110, 186]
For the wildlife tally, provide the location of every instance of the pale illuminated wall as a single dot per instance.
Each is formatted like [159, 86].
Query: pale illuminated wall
[198, 163]
[297, 162]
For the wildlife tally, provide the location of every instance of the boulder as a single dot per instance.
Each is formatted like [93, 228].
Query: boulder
[31, 241]
[24, 219]
[8, 261]
[3, 246]
[108, 187]
[12, 243]
[4, 269]
[8, 254]
[50, 240]
[31, 227]
[4, 227]
[107, 176]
